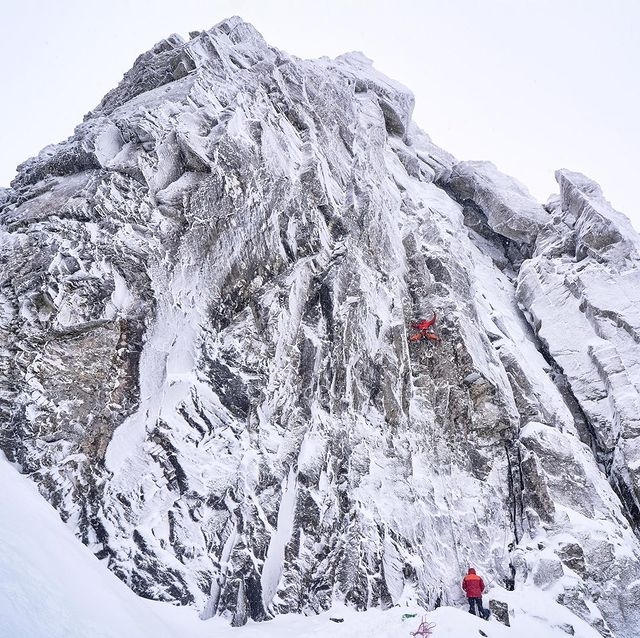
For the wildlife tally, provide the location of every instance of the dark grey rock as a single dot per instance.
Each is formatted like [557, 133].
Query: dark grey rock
[572, 555]
[500, 611]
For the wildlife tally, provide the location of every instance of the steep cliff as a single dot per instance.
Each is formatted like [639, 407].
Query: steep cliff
[206, 298]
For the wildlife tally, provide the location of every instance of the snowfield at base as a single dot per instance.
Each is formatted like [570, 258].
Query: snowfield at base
[538, 617]
[51, 586]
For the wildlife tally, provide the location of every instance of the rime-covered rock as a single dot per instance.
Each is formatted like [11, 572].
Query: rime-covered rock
[601, 232]
[595, 284]
[206, 299]
[510, 209]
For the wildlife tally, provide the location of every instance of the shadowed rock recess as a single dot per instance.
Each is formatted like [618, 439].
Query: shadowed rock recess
[205, 301]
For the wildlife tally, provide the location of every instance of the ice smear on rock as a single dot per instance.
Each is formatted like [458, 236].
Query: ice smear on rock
[206, 295]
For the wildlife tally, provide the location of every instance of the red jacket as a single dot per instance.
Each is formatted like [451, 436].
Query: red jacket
[425, 324]
[473, 584]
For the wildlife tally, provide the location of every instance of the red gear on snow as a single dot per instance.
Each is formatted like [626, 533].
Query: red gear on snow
[472, 584]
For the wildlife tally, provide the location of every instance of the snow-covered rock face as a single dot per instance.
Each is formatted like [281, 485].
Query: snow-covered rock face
[586, 269]
[511, 211]
[206, 298]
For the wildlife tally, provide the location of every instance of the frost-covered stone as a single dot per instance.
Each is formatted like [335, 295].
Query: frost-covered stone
[584, 306]
[510, 209]
[601, 232]
[587, 533]
[396, 101]
[206, 295]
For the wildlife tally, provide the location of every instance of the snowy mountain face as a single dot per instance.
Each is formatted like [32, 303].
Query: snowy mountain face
[206, 299]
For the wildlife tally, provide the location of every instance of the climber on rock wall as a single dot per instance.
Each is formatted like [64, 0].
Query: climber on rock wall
[425, 330]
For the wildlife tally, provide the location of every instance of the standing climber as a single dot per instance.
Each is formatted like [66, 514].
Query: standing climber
[473, 586]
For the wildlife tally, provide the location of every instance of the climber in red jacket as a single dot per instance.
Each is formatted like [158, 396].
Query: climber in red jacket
[473, 586]
[425, 330]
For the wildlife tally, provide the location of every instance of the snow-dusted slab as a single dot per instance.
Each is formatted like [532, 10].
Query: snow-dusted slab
[578, 524]
[510, 209]
[602, 232]
[584, 304]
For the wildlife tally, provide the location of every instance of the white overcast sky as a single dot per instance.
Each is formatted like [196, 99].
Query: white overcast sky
[532, 85]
